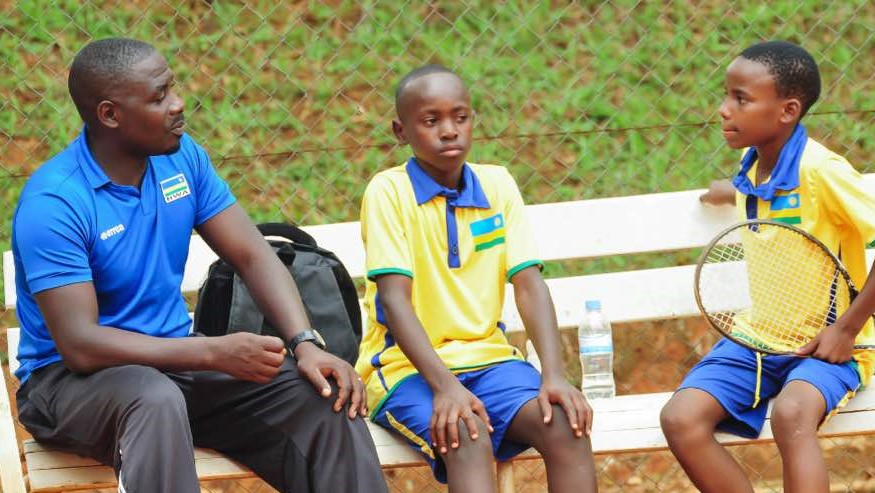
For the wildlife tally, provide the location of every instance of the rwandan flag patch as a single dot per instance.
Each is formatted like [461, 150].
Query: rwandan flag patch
[174, 188]
[785, 209]
[488, 232]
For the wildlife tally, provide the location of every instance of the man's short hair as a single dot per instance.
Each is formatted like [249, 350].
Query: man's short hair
[100, 67]
[794, 70]
[418, 73]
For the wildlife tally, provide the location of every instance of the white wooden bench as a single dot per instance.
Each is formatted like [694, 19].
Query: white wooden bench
[652, 223]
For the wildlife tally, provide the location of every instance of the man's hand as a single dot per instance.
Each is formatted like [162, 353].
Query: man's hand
[247, 356]
[721, 192]
[559, 391]
[454, 404]
[835, 344]
[317, 365]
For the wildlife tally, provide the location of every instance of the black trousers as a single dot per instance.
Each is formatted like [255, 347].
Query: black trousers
[144, 423]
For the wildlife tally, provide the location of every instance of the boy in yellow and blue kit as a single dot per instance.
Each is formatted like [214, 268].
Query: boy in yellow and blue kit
[442, 238]
[787, 177]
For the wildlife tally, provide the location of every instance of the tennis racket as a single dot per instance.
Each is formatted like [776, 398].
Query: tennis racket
[770, 286]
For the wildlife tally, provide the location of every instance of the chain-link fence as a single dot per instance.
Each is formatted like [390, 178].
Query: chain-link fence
[293, 101]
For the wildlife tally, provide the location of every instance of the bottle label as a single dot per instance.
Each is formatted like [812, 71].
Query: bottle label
[597, 349]
[596, 345]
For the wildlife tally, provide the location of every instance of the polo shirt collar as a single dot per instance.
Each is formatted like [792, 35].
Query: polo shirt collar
[93, 172]
[425, 188]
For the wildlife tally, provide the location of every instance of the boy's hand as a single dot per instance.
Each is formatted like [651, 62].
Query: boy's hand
[454, 404]
[317, 365]
[559, 391]
[835, 344]
[721, 192]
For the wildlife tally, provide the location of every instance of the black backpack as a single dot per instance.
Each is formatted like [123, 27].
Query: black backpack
[224, 305]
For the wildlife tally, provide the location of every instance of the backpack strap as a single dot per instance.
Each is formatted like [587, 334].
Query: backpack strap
[287, 231]
[244, 315]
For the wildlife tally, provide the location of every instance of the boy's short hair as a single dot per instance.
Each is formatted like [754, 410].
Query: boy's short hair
[416, 74]
[794, 70]
[101, 66]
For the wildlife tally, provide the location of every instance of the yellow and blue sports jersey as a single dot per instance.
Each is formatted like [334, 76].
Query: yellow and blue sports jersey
[460, 248]
[833, 203]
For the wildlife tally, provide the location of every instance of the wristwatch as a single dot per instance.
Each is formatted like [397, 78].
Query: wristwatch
[309, 335]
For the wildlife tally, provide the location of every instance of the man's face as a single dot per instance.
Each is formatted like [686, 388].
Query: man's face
[436, 120]
[751, 110]
[148, 111]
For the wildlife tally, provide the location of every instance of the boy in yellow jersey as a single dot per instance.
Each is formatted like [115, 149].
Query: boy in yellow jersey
[785, 176]
[442, 237]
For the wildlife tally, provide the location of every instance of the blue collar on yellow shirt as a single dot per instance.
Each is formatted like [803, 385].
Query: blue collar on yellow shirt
[425, 188]
[470, 195]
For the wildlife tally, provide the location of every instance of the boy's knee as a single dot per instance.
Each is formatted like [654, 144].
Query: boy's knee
[679, 419]
[482, 442]
[673, 419]
[791, 419]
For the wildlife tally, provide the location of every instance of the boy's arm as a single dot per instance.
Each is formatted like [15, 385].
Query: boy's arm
[539, 317]
[721, 192]
[452, 401]
[835, 344]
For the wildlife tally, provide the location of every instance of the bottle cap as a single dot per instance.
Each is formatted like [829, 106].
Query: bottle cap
[593, 305]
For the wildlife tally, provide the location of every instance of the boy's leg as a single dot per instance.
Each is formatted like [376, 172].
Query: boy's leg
[815, 388]
[688, 421]
[408, 412]
[132, 418]
[509, 391]
[568, 459]
[469, 467]
[727, 390]
[797, 411]
[285, 432]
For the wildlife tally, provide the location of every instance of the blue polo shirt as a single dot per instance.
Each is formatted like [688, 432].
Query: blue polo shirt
[72, 225]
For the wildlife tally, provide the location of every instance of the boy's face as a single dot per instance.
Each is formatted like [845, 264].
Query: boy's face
[752, 113]
[145, 111]
[435, 120]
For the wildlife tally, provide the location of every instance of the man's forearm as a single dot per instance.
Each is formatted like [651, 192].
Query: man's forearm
[96, 347]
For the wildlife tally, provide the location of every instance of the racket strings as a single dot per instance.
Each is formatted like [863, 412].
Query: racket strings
[772, 288]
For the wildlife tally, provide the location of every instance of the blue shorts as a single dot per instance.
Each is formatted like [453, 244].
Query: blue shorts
[729, 374]
[503, 388]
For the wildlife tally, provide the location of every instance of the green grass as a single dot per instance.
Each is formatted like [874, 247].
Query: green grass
[293, 100]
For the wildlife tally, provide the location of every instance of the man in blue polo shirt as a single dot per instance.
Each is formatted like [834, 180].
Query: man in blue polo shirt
[108, 370]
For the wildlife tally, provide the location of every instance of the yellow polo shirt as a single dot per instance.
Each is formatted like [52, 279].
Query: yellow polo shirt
[460, 248]
[834, 204]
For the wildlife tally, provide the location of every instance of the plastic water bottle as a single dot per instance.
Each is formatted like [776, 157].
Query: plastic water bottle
[596, 349]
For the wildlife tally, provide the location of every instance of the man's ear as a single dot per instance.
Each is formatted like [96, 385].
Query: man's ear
[108, 114]
[398, 130]
[791, 110]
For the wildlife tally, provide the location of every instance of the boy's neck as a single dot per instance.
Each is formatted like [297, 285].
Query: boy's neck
[768, 153]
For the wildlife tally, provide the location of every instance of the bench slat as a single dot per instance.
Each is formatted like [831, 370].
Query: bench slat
[625, 424]
[99, 476]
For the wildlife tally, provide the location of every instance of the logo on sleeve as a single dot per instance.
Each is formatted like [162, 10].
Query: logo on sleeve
[174, 188]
